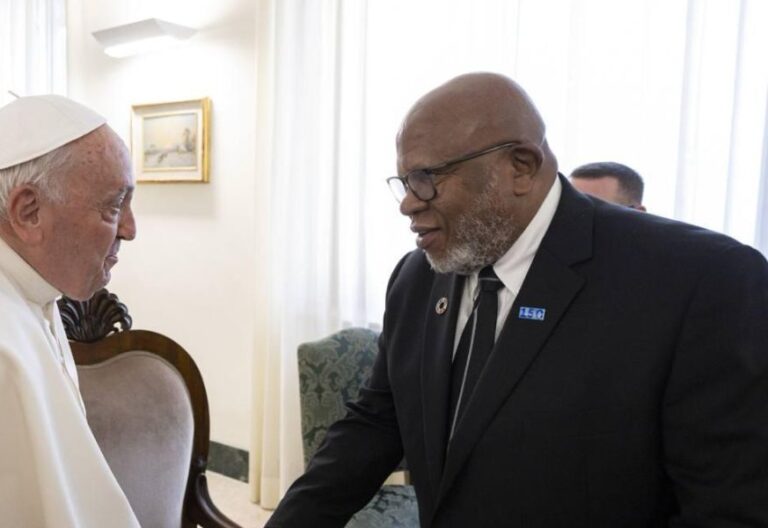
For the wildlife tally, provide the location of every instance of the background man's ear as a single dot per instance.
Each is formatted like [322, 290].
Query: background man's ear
[24, 213]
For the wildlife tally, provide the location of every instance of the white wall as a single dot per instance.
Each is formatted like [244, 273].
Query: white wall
[191, 273]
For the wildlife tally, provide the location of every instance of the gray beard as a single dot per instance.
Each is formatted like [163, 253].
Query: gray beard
[482, 235]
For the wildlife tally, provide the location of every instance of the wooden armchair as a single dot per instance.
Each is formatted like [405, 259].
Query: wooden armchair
[147, 407]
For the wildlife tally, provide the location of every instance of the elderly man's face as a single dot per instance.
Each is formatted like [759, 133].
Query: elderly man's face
[84, 232]
[481, 205]
[468, 224]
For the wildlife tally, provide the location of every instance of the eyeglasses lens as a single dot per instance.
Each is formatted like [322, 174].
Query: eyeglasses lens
[419, 182]
[422, 185]
[397, 187]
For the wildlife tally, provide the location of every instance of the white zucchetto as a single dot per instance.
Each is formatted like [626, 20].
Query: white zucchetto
[36, 125]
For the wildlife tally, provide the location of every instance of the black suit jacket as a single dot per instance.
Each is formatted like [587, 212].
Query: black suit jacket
[641, 399]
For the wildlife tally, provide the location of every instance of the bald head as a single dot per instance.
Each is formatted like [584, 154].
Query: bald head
[474, 151]
[471, 112]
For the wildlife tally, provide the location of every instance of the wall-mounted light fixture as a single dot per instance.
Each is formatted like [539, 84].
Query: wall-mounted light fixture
[138, 37]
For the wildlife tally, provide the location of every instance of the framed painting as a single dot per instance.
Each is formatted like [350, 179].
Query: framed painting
[170, 141]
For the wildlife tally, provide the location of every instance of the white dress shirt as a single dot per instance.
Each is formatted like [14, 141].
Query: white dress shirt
[513, 266]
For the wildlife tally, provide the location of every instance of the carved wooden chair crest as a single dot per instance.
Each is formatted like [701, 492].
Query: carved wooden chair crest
[147, 407]
[89, 321]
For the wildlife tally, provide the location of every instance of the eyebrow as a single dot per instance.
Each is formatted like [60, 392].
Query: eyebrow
[120, 193]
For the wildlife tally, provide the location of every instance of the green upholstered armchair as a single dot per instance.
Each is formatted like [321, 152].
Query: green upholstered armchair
[331, 372]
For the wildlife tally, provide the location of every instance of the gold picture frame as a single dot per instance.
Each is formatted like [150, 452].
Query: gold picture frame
[170, 142]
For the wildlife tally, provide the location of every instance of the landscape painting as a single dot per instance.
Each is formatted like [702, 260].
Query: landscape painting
[169, 141]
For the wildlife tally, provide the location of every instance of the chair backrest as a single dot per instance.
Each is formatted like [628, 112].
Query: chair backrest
[331, 371]
[141, 415]
[147, 407]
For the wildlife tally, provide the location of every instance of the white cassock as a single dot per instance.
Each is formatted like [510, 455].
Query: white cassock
[52, 472]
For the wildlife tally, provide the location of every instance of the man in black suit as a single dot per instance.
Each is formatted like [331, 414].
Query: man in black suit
[624, 384]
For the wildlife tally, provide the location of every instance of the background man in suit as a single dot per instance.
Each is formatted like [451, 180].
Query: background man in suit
[525, 380]
[610, 181]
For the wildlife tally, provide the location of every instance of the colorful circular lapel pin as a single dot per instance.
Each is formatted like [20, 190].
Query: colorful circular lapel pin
[441, 306]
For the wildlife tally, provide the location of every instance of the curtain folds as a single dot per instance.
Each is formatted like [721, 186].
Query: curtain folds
[310, 69]
[676, 89]
[33, 50]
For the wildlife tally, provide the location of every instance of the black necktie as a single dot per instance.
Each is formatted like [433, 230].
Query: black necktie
[475, 344]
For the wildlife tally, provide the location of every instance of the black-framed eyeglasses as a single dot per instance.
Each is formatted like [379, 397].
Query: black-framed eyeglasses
[421, 182]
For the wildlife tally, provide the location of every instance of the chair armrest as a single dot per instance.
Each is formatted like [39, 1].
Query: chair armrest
[201, 510]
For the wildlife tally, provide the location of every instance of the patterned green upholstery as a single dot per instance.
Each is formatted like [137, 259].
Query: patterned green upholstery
[331, 372]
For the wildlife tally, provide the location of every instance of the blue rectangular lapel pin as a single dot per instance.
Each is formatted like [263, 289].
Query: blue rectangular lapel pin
[532, 313]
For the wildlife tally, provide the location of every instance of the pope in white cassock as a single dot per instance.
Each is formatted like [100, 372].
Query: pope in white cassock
[65, 206]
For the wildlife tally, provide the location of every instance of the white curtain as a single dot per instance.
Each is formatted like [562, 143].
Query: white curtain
[310, 68]
[33, 43]
[676, 89]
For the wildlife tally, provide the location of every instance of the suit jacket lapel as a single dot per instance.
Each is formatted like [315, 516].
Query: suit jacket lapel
[550, 284]
[436, 369]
